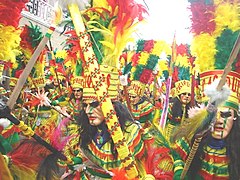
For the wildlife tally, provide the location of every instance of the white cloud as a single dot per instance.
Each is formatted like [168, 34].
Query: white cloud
[166, 17]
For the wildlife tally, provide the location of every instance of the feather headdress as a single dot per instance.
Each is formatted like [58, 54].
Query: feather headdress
[30, 38]
[112, 27]
[143, 65]
[10, 13]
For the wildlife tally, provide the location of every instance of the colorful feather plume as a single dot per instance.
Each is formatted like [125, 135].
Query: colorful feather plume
[10, 14]
[111, 26]
[197, 116]
[215, 26]
[58, 138]
[181, 66]
[202, 15]
[30, 37]
[144, 61]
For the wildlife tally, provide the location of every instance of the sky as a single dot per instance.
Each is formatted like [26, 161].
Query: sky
[166, 17]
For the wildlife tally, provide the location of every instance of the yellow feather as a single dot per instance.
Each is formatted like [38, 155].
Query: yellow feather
[100, 3]
[182, 61]
[227, 15]
[188, 128]
[9, 43]
[61, 54]
[143, 58]
[204, 49]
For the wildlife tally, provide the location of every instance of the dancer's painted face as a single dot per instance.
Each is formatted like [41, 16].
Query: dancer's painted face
[224, 123]
[94, 113]
[185, 98]
[78, 93]
[134, 99]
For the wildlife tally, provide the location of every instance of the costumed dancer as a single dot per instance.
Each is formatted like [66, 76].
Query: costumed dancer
[144, 60]
[95, 140]
[180, 92]
[215, 155]
[106, 139]
[74, 59]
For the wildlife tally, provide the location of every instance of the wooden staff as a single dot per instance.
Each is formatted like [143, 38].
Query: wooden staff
[27, 70]
[193, 81]
[221, 83]
[191, 156]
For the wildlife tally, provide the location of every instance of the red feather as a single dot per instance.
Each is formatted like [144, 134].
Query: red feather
[18, 73]
[146, 76]
[182, 50]
[175, 75]
[202, 18]
[128, 12]
[135, 59]
[10, 131]
[29, 154]
[148, 46]
[10, 12]
[73, 41]
[119, 174]
[33, 102]
[155, 157]
[25, 39]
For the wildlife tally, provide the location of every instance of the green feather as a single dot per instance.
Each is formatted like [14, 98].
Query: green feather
[127, 68]
[152, 61]
[224, 45]
[140, 45]
[79, 68]
[184, 73]
[35, 34]
[138, 72]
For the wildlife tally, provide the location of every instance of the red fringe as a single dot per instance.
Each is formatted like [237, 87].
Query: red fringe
[28, 154]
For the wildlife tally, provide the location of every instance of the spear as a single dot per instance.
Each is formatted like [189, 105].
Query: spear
[221, 83]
